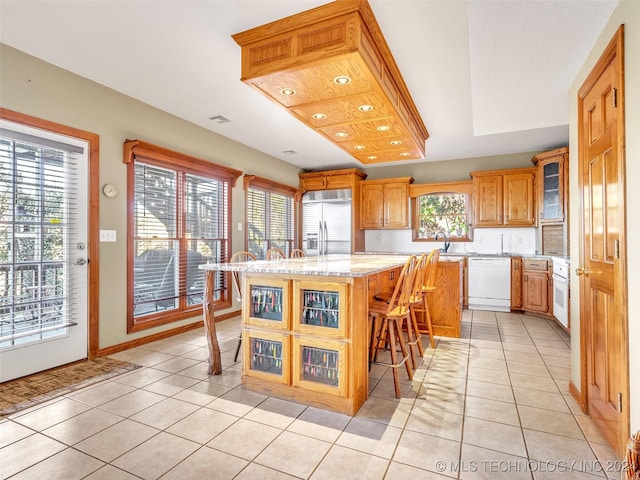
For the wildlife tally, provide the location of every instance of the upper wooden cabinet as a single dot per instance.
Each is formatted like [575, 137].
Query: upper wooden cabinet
[505, 198]
[385, 203]
[350, 178]
[553, 201]
[487, 197]
[331, 179]
[552, 176]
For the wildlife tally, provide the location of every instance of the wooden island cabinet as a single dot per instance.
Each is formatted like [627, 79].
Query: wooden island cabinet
[305, 325]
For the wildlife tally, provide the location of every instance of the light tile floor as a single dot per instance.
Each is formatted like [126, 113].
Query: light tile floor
[492, 404]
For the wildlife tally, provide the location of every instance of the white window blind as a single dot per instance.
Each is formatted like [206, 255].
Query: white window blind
[181, 221]
[270, 221]
[38, 205]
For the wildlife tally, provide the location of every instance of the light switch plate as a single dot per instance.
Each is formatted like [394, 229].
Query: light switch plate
[107, 235]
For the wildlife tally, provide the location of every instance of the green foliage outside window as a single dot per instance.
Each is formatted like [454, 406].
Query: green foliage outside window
[443, 212]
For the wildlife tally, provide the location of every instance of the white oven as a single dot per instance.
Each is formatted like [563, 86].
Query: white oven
[561, 290]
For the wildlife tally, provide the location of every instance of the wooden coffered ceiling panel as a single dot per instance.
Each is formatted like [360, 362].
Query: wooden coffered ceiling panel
[295, 62]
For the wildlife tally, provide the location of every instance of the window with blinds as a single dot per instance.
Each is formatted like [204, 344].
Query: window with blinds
[270, 217]
[38, 194]
[180, 221]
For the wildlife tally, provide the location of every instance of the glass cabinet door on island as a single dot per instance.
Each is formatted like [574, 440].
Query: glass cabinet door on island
[266, 302]
[320, 364]
[320, 308]
[267, 355]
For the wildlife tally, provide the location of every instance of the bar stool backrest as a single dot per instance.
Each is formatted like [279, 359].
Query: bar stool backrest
[237, 258]
[419, 278]
[297, 253]
[399, 302]
[430, 274]
[275, 254]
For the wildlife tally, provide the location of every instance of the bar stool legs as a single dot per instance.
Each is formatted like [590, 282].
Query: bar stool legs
[390, 334]
[235, 357]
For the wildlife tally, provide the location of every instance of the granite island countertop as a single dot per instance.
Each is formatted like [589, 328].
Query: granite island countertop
[360, 265]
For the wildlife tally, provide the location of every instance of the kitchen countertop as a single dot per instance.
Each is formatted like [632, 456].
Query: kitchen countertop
[360, 265]
[444, 256]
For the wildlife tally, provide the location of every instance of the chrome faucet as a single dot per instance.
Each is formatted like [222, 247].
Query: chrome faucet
[446, 241]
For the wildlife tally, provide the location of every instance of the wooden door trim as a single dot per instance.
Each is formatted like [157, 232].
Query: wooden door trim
[614, 52]
[93, 226]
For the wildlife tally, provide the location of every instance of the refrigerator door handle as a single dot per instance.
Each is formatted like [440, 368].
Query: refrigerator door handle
[321, 239]
[326, 238]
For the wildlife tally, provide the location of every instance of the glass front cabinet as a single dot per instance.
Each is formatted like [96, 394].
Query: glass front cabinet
[266, 302]
[319, 308]
[266, 355]
[295, 333]
[319, 364]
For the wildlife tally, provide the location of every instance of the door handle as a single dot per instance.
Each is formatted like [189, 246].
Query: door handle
[586, 272]
[81, 261]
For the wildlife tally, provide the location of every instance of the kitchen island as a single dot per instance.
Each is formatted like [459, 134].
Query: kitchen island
[305, 328]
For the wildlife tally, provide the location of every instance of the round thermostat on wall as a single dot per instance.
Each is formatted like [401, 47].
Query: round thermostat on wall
[110, 190]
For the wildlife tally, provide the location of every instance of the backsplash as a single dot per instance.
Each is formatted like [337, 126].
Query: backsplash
[520, 241]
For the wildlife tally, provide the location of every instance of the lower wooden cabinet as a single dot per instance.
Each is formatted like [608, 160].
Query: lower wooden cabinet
[266, 355]
[516, 283]
[320, 365]
[306, 339]
[536, 286]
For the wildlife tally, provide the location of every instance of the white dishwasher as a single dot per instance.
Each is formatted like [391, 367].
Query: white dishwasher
[490, 283]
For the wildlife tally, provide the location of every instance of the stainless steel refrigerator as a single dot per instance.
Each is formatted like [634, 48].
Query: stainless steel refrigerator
[326, 222]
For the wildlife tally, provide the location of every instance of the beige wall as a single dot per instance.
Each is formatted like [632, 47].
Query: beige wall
[450, 170]
[627, 13]
[33, 87]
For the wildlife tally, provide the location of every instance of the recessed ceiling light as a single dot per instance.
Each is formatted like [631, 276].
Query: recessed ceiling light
[395, 142]
[289, 152]
[319, 116]
[359, 147]
[288, 92]
[341, 134]
[383, 128]
[372, 157]
[342, 80]
[365, 108]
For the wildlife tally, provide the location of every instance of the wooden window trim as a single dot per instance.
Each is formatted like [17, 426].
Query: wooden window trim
[445, 187]
[261, 183]
[463, 187]
[166, 158]
[253, 181]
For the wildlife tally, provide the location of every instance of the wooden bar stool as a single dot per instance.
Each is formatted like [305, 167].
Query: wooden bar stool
[416, 301]
[391, 315]
[275, 254]
[421, 305]
[297, 253]
[237, 281]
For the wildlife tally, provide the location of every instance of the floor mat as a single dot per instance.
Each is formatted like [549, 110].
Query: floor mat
[25, 392]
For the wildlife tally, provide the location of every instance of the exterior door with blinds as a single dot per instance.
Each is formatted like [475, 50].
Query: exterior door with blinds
[43, 245]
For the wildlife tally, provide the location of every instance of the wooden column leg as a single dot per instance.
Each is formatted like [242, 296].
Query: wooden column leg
[215, 362]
